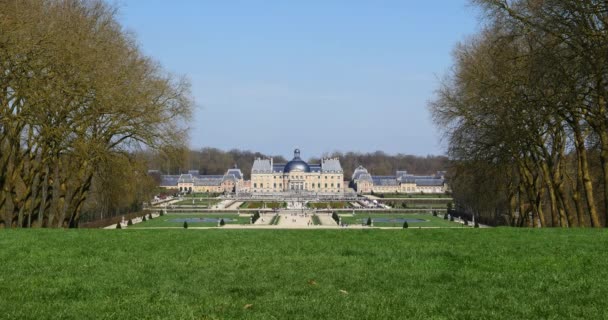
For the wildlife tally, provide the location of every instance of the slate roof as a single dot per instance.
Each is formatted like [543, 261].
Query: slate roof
[261, 166]
[331, 165]
[236, 173]
[169, 180]
[384, 180]
[359, 171]
[429, 182]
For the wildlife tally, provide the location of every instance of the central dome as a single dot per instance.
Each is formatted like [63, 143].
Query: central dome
[296, 164]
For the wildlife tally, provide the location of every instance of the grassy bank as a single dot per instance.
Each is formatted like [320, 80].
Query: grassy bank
[312, 274]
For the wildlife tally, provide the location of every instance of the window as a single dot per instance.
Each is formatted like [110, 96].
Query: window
[261, 185]
[318, 185]
[326, 185]
[280, 185]
[255, 185]
[275, 185]
[338, 185]
[332, 185]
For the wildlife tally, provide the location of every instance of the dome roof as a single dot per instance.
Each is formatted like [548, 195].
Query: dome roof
[296, 164]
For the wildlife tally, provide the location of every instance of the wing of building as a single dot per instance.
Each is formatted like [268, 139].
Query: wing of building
[193, 181]
[402, 182]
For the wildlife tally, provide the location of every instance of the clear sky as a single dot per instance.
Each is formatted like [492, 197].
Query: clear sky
[321, 75]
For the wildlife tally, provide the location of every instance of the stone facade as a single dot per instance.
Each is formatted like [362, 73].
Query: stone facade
[297, 176]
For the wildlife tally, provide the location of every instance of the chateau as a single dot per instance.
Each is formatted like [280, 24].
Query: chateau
[297, 177]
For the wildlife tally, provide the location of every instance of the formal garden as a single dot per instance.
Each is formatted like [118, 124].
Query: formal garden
[397, 220]
[192, 220]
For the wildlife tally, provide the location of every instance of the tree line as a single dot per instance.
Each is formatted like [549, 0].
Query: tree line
[215, 161]
[78, 99]
[523, 112]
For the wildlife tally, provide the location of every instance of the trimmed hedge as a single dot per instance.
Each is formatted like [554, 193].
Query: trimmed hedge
[336, 217]
[255, 217]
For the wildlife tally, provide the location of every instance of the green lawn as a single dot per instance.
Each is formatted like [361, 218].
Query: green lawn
[430, 221]
[304, 274]
[165, 221]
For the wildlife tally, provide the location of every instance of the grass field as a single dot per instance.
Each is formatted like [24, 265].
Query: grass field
[165, 221]
[430, 221]
[304, 274]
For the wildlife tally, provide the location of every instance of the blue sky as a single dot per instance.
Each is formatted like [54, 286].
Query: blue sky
[270, 76]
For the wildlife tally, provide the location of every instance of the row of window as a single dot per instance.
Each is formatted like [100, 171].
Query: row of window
[303, 177]
[269, 190]
[255, 185]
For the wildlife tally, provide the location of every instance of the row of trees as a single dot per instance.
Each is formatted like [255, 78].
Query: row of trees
[524, 114]
[77, 100]
[215, 161]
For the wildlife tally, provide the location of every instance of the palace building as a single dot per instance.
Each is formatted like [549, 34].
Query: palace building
[297, 176]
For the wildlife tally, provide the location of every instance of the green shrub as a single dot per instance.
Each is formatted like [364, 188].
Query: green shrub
[150, 216]
[451, 218]
[405, 225]
[445, 216]
[464, 220]
[118, 226]
[161, 213]
[476, 224]
[336, 217]
[255, 217]
[222, 222]
[434, 213]
[143, 219]
[129, 223]
[369, 221]
[185, 224]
